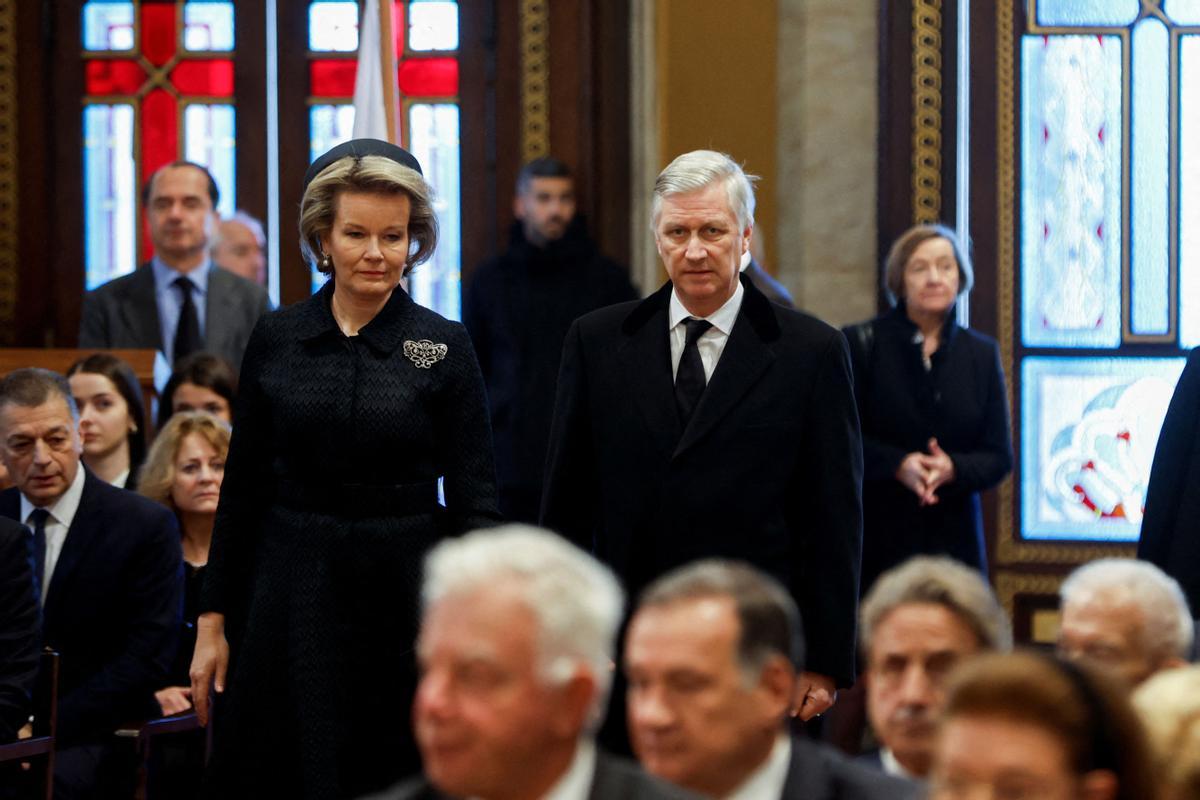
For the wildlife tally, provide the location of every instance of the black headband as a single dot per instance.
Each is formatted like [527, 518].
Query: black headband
[359, 148]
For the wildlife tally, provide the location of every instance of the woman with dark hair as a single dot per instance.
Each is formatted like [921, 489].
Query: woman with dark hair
[933, 410]
[360, 439]
[200, 382]
[1027, 725]
[112, 419]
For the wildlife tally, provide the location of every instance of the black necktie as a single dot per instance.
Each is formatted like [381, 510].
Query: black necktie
[187, 334]
[689, 378]
[38, 518]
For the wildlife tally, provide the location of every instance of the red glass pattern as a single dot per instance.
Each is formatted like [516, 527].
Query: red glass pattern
[429, 77]
[332, 77]
[104, 77]
[159, 126]
[208, 77]
[159, 31]
[398, 29]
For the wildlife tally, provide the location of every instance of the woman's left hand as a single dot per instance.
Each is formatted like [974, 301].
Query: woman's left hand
[941, 471]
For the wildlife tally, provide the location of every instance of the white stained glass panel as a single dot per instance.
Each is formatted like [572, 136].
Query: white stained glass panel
[328, 125]
[1149, 151]
[1184, 12]
[1089, 430]
[1087, 12]
[434, 140]
[108, 26]
[1189, 193]
[109, 192]
[432, 25]
[208, 139]
[1071, 191]
[208, 26]
[333, 27]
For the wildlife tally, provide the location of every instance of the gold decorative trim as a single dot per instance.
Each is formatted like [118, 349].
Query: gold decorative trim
[927, 110]
[9, 195]
[535, 78]
[1011, 584]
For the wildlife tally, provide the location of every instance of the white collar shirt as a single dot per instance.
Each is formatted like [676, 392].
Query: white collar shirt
[712, 342]
[170, 299]
[62, 513]
[893, 767]
[766, 782]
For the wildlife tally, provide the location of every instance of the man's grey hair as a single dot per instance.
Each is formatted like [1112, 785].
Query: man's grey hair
[250, 222]
[941, 581]
[31, 387]
[576, 600]
[1167, 628]
[699, 169]
[768, 619]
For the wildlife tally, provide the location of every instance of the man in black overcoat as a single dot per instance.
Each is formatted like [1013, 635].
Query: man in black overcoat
[20, 630]
[706, 421]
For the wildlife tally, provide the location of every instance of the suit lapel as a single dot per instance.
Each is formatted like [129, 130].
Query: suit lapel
[84, 527]
[140, 310]
[219, 302]
[646, 359]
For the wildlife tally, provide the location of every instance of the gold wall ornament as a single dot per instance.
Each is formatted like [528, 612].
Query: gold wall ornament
[927, 110]
[535, 79]
[1011, 584]
[8, 170]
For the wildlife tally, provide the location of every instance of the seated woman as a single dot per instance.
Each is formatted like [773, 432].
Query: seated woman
[1026, 725]
[112, 419]
[200, 382]
[1169, 704]
[184, 472]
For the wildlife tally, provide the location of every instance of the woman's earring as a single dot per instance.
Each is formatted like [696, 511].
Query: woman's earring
[326, 263]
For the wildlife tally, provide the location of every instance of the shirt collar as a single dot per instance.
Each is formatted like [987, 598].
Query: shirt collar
[165, 276]
[63, 509]
[893, 767]
[722, 319]
[771, 775]
[576, 782]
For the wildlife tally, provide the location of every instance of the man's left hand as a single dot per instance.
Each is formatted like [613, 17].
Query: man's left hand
[815, 694]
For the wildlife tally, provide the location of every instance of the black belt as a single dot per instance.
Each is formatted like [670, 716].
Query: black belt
[360, 499]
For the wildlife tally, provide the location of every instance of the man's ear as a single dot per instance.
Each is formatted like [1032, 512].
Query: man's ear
[518, 207]
[576, 695]
[778, 681]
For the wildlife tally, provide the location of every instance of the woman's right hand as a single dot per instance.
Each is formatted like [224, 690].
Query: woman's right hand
[209, 662]
[915, 477]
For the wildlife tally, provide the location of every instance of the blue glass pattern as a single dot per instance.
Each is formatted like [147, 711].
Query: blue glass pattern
[333, 26]
[1071, 191]
[328, 125]
[433, 133]
[1189, 193]
[432, 25]
[1096, 13]
[1088, 433]
[109, 192]
[209, 139]
[1183, 12]
[1150, 171]
[108, 26]
[208, 25]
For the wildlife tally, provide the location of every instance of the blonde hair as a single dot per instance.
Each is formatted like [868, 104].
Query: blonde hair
[903, 248]
[158, 473]
[367, 174]
[1169, 704]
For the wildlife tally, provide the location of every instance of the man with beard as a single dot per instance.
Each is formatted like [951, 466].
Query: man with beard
[518, 308]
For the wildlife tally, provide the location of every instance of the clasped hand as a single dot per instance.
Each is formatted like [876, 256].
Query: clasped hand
[925, 473]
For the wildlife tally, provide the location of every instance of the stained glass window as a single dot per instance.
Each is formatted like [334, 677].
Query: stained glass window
[1189, 194]
[1183, 12]
[148, 102]
[1087, 12]
[426, 34]
[1149, 153]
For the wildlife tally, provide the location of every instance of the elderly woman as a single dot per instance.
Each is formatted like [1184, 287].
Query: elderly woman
[112, 419]
[200, 382]
[360, 440]
[1169, 704]
[184, 471]
[933, 410]
[1025, 725]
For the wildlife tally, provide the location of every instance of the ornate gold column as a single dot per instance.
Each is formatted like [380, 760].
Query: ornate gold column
[535, 78]
[927, 110]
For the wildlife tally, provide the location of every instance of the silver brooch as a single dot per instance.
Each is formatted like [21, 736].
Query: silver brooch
[424, 353]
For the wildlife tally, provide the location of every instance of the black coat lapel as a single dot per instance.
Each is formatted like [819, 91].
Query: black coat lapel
[84, 527]
[646, 356]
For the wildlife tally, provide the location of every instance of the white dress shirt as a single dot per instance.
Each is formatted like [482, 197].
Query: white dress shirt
[170, 299]
[712, 342]
[62, 512]
[766, 782]
[576, 782]
[893, 767]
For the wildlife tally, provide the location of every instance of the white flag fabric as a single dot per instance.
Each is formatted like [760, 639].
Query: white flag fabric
[370, 102]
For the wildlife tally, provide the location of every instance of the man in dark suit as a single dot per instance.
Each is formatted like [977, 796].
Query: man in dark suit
[109, 575]
[707, 421]
[710, 657]
[177, 302]
[20, 629]
[516, 648]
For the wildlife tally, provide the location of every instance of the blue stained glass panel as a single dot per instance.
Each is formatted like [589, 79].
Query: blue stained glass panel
[1071, 191]
[328, 125]
[109, 192]
[433, 132]
[208, 25]
[1150, 260]
[1184, 12]
[108, 26]
[209, 139]
[432, 25]
[1087, 12]
[1189, 193]
[333, 26]
[1088, 434]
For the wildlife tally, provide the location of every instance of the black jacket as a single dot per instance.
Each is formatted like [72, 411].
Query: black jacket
[518, 308]
[20, 628]
[960, 402]
[767, 471]
[818, 772]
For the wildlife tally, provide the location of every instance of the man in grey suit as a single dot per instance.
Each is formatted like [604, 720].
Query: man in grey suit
[516, 648]
[177, 302]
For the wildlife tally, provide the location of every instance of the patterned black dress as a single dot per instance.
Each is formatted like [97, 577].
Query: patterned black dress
[330, 502]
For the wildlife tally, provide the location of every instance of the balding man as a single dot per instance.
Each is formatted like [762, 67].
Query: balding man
[240, 246]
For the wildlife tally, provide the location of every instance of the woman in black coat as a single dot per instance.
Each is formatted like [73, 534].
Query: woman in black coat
[933, 411]
[360, 439]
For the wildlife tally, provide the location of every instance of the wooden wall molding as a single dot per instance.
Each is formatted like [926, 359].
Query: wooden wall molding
[9, 195]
